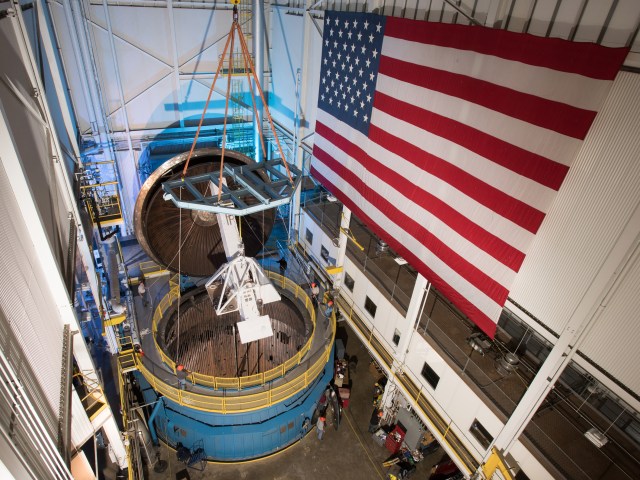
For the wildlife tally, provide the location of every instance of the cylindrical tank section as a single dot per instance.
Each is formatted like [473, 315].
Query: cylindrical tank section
[241, 400]
[238, 436]
[189, 241]
[265, 408]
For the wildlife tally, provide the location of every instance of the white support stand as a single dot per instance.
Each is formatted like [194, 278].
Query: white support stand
[240, 285]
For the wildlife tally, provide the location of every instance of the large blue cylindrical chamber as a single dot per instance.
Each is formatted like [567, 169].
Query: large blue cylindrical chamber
[239, 436]
[268, 406]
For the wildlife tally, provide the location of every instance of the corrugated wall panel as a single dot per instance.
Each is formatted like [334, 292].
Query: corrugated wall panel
[613, 341]
[28, 308]
[591, 209]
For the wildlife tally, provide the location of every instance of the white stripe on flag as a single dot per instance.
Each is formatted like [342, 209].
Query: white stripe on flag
[503, 228]
[481, 301]
[511, 183]
[569, 88]
[542, 141]
[463, 247]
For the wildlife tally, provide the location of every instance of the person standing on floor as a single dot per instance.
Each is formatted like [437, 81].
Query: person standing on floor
[142, 291]
[283, 266]
[320, 424]
[374, 422]
[315, 292]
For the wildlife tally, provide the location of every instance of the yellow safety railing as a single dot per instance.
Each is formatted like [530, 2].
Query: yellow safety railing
[238, 383]
[152, 269]
[107, 200]
[496, 462]
[125, 344]
[93, 400]
[248, 401]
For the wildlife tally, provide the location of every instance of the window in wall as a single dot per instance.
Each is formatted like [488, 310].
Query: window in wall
[370, 307]
[633, 430]
[324, 253]
[396, 337]
[348, 281]
[481, 434]
[309, 237]
[430, 376]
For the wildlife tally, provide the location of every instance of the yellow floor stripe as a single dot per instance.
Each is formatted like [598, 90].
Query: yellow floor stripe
[375, 467]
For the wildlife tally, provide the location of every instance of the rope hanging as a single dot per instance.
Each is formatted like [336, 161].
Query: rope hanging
[250, 71]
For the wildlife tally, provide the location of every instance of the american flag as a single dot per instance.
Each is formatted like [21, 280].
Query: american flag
[450, 141]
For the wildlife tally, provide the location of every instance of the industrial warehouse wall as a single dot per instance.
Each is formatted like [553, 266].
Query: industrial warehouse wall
[153, 67]
[595, 204]
[33, 142]
[32, 338]
[29, 336]
[287, 56]
[454, 400]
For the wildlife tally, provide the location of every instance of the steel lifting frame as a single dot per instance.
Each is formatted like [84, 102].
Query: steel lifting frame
[249, 185]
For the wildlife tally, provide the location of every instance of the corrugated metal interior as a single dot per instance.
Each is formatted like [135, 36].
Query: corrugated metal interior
[616, 331]
[35, 346]
[32, 141]
[579, 231]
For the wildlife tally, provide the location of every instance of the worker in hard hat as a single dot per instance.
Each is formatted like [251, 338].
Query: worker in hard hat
[315, 293]
[329, 310]
[374, 422]
[320, 425]
[182, 374]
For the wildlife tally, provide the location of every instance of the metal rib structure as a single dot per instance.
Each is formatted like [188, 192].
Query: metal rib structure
[159, 224]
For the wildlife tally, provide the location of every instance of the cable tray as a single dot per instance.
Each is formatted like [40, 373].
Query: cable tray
[249, 193]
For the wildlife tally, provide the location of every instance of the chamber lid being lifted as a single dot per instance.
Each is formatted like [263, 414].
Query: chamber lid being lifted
[159, 224]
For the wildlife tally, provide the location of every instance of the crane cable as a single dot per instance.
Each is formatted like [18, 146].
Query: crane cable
[248, 67]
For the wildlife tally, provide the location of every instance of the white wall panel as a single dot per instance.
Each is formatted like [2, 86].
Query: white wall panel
[26, 304]
[147, 29]
[286, 58]
[200, 39]
[594, 16]
[145, 49]
[81, 427]
[288, 41]
[591, 209]
[154, 109]
[614, 339]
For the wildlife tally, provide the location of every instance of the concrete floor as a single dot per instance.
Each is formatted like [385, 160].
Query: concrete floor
[347, 453]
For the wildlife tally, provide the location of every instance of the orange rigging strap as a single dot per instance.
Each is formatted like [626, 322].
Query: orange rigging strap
[249, 69]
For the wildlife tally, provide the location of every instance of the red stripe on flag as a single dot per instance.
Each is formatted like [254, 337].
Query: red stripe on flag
[483, 239]
[494, 199]
[583, 58]
[558, 117]
[485, 323]
[457, 263]
[523, 162]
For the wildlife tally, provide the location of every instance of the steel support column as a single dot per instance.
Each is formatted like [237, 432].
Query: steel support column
[258, 47]
[123, 106]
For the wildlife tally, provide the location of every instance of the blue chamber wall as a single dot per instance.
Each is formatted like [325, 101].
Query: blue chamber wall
[240, 436]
